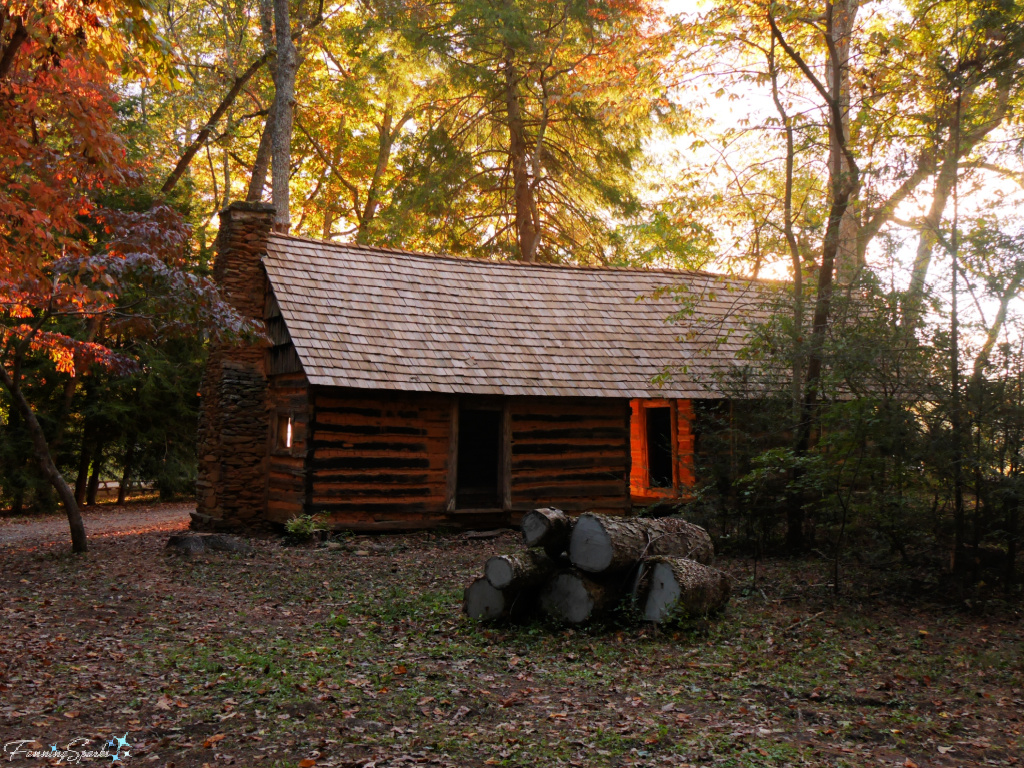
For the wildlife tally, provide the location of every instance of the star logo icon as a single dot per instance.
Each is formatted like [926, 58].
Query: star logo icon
[122, 741]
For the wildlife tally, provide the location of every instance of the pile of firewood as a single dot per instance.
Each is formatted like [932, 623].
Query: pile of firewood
[577, 570]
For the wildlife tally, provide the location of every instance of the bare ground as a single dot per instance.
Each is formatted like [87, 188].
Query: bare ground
[360, 658]
[100, 522]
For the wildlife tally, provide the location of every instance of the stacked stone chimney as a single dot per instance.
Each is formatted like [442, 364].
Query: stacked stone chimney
[234, 418]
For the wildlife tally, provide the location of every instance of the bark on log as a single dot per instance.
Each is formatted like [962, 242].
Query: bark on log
[600, 543]
[572, 598]
[525, 569]
[483, 602]
[674, 588]
[548, 528]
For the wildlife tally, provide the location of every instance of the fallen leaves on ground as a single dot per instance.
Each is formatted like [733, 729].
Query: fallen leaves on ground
[359, 657]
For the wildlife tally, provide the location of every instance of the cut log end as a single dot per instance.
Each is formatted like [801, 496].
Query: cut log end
[547, 527]
[567, 598]
[519, 571]
[675, 588]
[534, 527]
[483, 602]
[590, 547]
[499, 572]
[662, 594]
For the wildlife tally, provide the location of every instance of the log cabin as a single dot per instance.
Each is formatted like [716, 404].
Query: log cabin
[399, 390]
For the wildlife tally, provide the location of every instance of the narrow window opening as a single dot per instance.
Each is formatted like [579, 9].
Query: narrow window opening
[284, 432]
[479, 457]
[659, 447]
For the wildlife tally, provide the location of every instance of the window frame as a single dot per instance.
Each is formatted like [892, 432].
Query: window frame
[284, 420]
[682, 455]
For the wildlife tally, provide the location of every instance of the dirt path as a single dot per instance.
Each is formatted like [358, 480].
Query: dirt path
[99, 523]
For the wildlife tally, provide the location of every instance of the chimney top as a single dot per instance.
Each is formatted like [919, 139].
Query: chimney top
[255, 206]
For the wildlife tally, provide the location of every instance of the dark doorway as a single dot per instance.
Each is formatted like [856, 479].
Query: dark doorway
[478, 478]
[659, 447]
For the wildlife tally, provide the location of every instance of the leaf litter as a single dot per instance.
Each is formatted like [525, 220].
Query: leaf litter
[332, 657]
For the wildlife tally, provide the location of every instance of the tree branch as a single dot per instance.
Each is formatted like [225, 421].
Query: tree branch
[11, 49]
[218, 113]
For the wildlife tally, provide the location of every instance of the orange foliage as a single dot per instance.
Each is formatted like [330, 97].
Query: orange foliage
[59, 149]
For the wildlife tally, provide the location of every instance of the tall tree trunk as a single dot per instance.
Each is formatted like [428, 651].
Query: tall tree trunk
[1012, 538]
[126, 469]
[929, 235]
[261, 165]
[94, 478]
[84, 457]
[959, 144]
[849, 260]
[527, 227]
[385, 142]
[843, 183]
[796, 385]
[79, 542]
[15, 472]
[284, 104]
[18, 502]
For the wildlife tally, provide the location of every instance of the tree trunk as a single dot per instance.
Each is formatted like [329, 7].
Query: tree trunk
[204, 133]
[960, 142]
[386, 136]
[519, 571]
[600, 543]
[795, 256]
[483, 602]
[674, 588]
[929, 236]
[284, 103]
[126, 470]
[46, 464]
[1012, 539]
[82, 479]
[849, 260]
[843, 184]
[94, 478]
[18, 502]
[527, 227]
[261, 165]
[548, 528]
[10, 51]
[573, 598]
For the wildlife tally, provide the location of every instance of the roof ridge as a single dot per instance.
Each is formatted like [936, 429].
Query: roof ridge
[526, 265]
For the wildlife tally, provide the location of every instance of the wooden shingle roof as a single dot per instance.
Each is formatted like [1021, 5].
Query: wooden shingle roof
[386, 319]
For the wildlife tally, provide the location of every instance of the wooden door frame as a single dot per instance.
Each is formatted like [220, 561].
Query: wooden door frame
[481, 403]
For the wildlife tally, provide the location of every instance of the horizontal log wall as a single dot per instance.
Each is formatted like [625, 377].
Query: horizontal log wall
[378, 460]
[286, 487]
[570, 453]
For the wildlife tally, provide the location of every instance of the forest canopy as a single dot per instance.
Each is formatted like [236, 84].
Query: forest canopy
[869, 154]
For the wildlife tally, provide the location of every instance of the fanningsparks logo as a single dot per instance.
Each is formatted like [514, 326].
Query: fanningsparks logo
[76, 750]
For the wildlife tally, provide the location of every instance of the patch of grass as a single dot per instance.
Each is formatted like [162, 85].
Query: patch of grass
[362, 658]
